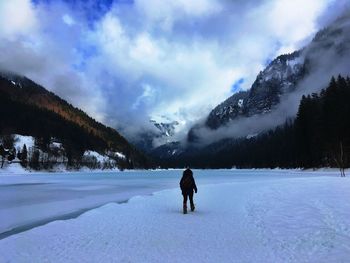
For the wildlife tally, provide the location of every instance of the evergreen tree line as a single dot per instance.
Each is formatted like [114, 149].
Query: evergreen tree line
[319, 136]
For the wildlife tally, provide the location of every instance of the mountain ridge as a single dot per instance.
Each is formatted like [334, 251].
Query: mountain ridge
[285, 79]
[29, 96]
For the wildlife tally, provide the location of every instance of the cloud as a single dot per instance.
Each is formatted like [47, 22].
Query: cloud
[68, 20]
[146, 97]
[283, 18]
[45, 50]
[127, 61]
[17, 17]
[327, 56]
[166, 14]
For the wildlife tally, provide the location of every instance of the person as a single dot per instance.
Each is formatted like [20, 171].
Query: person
[187, 185]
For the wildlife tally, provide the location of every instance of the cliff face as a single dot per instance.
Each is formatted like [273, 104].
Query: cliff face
[284, 80]
[280, 77]
[327, 53]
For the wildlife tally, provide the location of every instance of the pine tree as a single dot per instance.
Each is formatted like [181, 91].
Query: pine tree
[34, 161]
[24, 156]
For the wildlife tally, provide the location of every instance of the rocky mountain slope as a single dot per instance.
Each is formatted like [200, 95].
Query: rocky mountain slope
[301, 72]
[327, 55]
[160, 133]
[281, 76]
[281, 83]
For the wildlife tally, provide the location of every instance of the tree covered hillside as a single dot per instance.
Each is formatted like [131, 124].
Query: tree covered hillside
[28, 109]
[319, 136]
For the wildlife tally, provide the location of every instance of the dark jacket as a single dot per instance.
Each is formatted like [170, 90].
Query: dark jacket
[187, 183]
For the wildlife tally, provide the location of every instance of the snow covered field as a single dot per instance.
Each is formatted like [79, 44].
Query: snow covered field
[241, 216]
[33, 199]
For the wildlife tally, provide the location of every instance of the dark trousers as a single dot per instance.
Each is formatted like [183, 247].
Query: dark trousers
[187, 194]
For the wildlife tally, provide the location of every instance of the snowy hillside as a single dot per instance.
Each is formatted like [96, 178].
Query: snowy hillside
[27, 154]
[304, 71]
[160, 132]
[251, 219]
[279, 77]
[166, 129]
[29, 109]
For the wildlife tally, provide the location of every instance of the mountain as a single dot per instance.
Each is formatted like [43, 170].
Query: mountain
[166, 129]
[27, 108]
[275, 93]
[318, 137]
[280, 77]
[160, 133]
[328, 54]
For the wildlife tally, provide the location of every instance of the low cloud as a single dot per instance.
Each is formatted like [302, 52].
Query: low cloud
[327, 57]
[129, 61]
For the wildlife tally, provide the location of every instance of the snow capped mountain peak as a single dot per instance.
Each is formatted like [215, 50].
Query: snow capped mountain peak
[283, 75]
[278, 88]
[162, 131]
[166, 129]
[279, 77]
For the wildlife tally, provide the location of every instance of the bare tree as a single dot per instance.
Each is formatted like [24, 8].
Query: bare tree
[340, 160]
[3, 155]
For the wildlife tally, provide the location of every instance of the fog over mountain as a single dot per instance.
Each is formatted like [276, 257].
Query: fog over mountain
[126, 62]
[286, 79]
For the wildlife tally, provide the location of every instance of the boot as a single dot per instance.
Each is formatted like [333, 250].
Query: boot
[192, 207]
[185, 209]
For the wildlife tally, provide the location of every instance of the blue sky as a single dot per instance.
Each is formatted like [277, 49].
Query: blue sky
[93, 10]
[237, 86]
[125, 61]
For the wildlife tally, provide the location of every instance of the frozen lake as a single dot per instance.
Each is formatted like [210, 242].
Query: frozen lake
[240, 216]
[31, 200]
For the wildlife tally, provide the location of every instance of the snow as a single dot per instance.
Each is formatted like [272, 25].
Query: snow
[13, 168]
[13, 83]
[242, 216]
[41, 196]
[99, 157]
[120, 155]
[103, 158]
[268, 77]
[240, 103]
[296, 61]
[250, 136]
[56, 145]
[20, 140]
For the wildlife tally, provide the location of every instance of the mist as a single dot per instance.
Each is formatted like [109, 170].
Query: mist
[326, 56]
[126, 62]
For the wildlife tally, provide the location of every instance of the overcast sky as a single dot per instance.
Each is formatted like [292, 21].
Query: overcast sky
[126, 61]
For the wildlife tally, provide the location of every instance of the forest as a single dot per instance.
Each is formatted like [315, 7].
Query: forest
[319, 136]
[29, 109]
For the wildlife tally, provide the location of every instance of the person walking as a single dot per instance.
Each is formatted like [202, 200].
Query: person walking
[187, 185]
